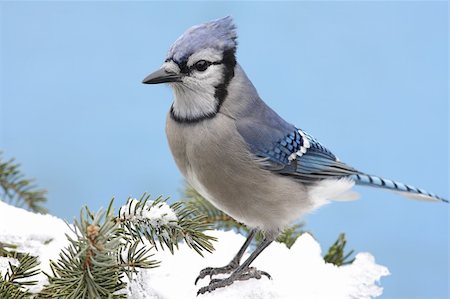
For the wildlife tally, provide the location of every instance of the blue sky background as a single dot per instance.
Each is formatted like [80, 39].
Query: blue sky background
[368, 79]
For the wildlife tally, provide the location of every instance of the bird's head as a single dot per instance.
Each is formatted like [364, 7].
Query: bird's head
[199, 66]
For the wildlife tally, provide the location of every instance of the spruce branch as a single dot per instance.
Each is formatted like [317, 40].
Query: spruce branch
[336, 253]
[165, 225]
[89, 266]
[9, 250]
[17, 277]
[135, 256]
[105, 247]
[17, 189]
[291, 234]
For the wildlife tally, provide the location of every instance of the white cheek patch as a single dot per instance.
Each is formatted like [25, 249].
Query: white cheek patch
[209, 54]
[211, 77]
[192, 101]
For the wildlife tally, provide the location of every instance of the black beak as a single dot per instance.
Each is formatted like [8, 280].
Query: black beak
[161, 76]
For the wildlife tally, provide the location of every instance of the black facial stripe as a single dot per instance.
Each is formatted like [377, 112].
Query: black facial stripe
[229, 60]
[183, 67]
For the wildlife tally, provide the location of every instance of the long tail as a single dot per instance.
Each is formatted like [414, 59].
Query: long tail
[405, 190]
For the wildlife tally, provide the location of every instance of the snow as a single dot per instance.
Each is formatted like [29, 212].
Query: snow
[4, 263]
[299, 272]
[157, 214]
[39, 235]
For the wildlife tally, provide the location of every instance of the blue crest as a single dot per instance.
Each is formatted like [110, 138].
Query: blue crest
[218, 34]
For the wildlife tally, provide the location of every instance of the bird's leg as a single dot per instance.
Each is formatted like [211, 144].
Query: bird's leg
[232, 265]
[243, 272]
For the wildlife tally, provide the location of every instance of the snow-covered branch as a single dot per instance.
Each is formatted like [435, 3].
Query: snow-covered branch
[299, 272]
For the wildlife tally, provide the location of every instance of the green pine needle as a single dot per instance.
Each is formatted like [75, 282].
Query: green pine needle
[336, 253]
[13, 284]
[189, 226]
[16, 189]
[90, 266]
[105, 247]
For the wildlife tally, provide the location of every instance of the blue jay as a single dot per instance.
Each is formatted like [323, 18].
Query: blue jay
[241, 155]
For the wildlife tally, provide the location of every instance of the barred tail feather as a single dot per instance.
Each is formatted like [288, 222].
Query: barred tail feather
[403, 189]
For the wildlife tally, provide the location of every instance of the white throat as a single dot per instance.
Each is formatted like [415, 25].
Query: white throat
[194, 103]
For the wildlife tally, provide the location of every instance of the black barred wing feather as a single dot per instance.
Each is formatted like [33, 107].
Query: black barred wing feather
[303, 157]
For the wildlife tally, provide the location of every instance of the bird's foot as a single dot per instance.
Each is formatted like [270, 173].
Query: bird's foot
[220, 270]
[244, 274]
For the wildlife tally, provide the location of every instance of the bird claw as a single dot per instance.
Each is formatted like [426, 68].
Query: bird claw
[245, 274]
[214, 271]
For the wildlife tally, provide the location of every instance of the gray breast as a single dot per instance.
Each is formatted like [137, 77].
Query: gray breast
[214, 159]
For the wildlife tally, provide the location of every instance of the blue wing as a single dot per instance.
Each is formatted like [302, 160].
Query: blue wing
[288, 150]
[304, 157]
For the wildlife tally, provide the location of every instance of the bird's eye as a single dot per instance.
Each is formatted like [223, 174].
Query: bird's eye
[201, 65]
